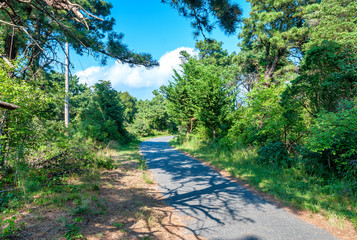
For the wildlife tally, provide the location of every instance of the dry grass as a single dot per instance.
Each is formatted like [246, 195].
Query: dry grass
[122, 203]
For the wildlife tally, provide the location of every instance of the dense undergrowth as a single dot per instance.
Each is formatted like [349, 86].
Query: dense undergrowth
[334, 197]
[58, 176]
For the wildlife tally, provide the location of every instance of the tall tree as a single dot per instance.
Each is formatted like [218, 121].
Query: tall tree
[103, 118]
[212, 98]
[201, 91]
[275, 30]
[328, 76]
[181, 105]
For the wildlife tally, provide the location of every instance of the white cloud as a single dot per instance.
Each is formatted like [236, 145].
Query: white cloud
[121, 75]
[88, 75]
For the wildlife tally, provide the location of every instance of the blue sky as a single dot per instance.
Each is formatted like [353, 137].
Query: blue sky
[152, 27]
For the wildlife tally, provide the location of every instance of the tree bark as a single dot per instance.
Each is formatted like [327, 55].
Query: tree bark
[8, 106]
[271, 67]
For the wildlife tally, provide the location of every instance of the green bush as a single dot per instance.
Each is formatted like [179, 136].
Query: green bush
[107, 163]
[262, 120]
[312, 162]
[141, 127]
[9, 228]
[333, 140]
[273, 153]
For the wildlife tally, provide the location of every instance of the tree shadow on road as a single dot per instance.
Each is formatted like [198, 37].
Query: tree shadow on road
[199, 192]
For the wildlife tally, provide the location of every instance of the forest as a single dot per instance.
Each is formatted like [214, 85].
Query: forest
[280, 113]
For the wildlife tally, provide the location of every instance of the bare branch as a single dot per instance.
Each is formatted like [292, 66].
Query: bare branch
[60, 24]
[24, 30]
[8, 106]
[7, 61]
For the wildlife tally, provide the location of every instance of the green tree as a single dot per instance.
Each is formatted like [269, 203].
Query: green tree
[275, 30]
[103, 118]
[333, 140]
[333, 20]
[328, 76]
[130, 106]
[152, 115]
[260, 119]
[202, 91]
[211, 97]
[19, 128]
[53, 84]
[181, 105]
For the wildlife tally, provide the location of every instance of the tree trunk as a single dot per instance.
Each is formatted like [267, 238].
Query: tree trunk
[192, 119]
[271, 67]
[10, 46]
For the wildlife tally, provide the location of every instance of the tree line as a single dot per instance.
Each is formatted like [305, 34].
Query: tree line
[289, 92]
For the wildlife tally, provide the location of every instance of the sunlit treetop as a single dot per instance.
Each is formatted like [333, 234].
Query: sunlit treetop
[333, 20]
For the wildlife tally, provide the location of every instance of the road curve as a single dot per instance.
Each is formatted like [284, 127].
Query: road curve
[218, 208]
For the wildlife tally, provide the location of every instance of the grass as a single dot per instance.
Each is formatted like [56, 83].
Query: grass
[293, 186]
[119, 171]
[76, 193]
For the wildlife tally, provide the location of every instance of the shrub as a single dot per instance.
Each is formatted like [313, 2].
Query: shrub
[333, 139]
[141, 127]
[312, 162]
[107, 163]
[273, 153]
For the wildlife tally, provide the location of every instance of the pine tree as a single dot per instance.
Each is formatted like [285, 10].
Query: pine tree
[275, 30]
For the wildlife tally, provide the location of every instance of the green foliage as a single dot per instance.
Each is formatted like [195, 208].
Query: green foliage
[333, 20]
[333, 137]
[181, 105]
[86, 25]
[107, 163]
[103, 118]
[142, 164]
[273, 154]
[147, 179]
[273, 32]
[130, 106]
[20, 123]
[212, 103]
[119, 225]
[202, 92]
[152, 115]
[5, 198]
[261, 121]
[141, 127]
[73, 232]
[9, 228]
[224, 12]
[328, 75]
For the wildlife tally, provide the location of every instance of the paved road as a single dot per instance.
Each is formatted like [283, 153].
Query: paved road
[218, 208]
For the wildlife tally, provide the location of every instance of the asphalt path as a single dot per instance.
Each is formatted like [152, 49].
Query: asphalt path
[214, 206]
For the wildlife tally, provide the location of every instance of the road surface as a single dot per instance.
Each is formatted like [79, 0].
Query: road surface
[217, 208]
